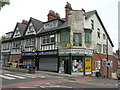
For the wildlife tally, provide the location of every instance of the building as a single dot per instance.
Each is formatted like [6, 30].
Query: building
[76, 44]
[6, 48]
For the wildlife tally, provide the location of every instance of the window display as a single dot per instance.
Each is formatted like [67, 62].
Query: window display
[77, 65]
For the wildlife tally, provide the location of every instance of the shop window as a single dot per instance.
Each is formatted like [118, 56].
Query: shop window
[97, 65]
[77, 65]
[77, 39]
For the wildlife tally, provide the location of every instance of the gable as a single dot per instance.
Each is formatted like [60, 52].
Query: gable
[17, 33]
[30, 29]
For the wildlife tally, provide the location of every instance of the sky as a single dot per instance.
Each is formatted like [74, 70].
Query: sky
[24, 9]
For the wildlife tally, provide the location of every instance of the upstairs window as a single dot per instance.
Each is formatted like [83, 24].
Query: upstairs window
[49, 39]
[99, 48]
[17, 33]
[88, 36]
[103, 36]
[5, 46]
[77, 39]
[31, 29]
[104, 48]
[30, 42]
[16, 44]
[98, 32]
[92, 24]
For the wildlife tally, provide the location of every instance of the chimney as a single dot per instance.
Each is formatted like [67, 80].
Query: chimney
[67, 10]
[52, 15]
[83, 9]
[24, 22]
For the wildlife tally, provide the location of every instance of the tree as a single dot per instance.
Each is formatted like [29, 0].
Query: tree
[3, 3]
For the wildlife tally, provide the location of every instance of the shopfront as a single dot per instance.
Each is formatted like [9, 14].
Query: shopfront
[75, 61]
[48, 60]
[29, 59]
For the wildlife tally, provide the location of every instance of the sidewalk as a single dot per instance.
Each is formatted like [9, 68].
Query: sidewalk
[15, 69]
[40, 72]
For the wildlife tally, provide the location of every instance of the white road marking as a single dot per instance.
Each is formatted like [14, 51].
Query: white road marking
[15, 76]
[6, 77]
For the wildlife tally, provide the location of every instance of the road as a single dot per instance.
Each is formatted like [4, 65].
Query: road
[42, 79]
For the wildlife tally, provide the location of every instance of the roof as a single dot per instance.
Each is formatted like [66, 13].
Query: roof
[90, 13]
[64, 25]
[21, 27]
[36, 23]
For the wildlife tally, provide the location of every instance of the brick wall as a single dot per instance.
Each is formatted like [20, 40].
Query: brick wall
[13, 57]
[103, 69]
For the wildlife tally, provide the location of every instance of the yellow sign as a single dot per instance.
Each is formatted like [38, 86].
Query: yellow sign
[67, 45]
[88, 65]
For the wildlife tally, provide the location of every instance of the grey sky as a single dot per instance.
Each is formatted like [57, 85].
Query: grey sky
[24, 9]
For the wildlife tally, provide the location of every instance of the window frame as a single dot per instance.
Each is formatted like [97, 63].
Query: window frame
[79, 37]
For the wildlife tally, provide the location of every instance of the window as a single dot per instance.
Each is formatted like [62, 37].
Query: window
[30, 42]
[17, 33]
[98, 32]
[88, 37]
[65, 36]
[77, 39]
[99, 48]
[92, 24]
[103, 36]
[97, 65]
[48, 39]
[52, 24]
[31, 29]
[104, 48]
[5, 46]
[16, 44]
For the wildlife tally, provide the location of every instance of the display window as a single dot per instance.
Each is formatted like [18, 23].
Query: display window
[77, 64]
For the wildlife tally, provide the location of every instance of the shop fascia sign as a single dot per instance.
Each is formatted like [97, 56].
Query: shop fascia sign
[28, 53]
[47, 52]
[75, 51]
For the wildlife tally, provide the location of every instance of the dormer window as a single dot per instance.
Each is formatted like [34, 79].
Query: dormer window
[52, 24]
[31, 29]
[17, 33]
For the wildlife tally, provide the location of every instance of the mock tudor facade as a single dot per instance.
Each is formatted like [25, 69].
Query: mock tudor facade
[77, 44]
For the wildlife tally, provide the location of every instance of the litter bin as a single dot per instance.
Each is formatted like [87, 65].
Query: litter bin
[98, 74]
[31, 69]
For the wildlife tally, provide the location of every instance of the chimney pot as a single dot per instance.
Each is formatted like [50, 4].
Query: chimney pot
[24, 21]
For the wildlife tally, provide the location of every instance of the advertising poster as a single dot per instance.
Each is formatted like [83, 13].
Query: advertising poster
[88, 64]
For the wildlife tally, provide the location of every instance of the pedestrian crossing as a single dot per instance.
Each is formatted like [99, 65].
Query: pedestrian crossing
[9, 76]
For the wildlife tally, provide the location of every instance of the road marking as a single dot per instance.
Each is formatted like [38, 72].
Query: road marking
[15, 76]
[6, 77]
[25, 75]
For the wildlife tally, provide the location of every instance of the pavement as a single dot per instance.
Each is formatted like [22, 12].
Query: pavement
[52, 73]
[63, 79]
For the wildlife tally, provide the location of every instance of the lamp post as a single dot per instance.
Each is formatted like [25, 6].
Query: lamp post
[107, 56]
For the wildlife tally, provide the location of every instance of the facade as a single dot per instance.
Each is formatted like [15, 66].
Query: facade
[77, 44]
[6, 48]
